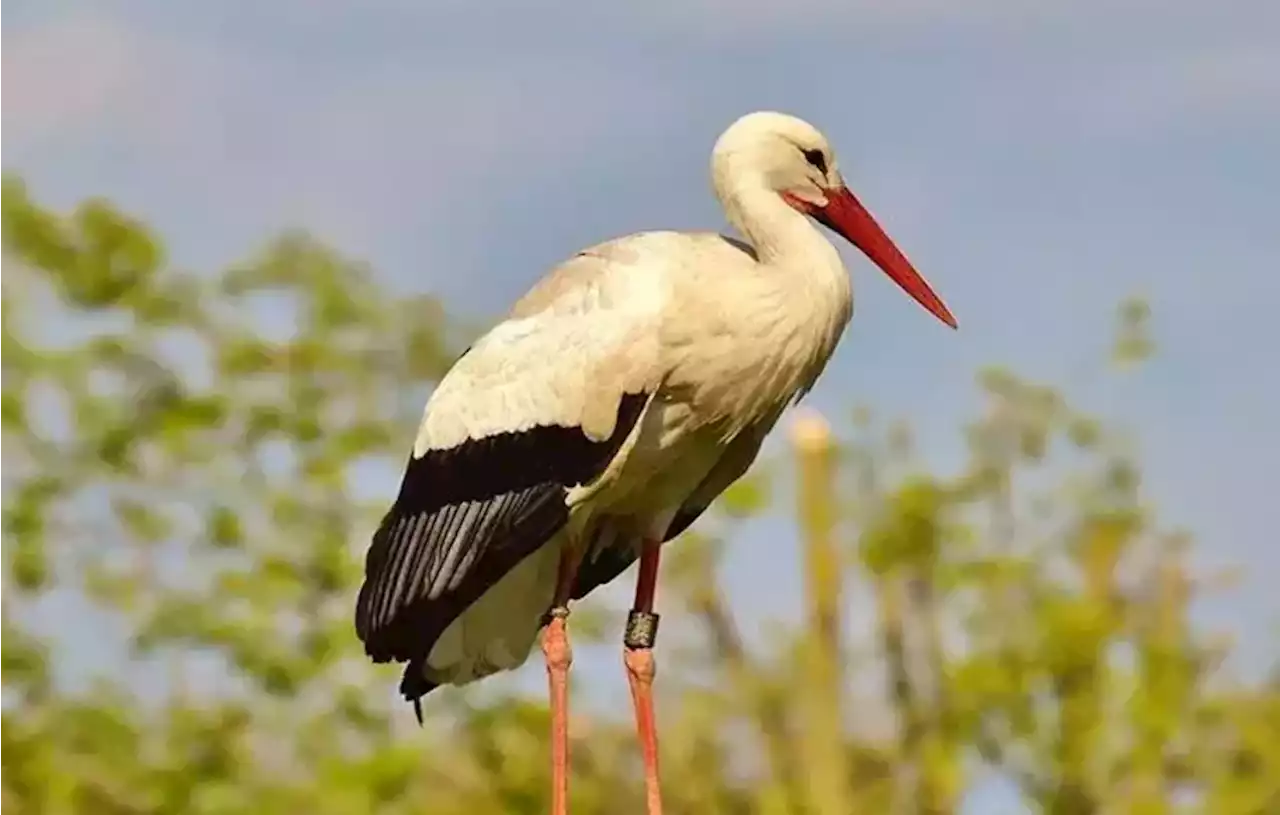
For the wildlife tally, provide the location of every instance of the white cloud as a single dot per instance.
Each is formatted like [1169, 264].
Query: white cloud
[297, 142]
[64, 74]
[85, 72]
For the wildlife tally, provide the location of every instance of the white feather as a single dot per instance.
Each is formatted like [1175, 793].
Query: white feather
[567, 365]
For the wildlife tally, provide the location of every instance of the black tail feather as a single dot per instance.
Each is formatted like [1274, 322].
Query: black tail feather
[414, 686]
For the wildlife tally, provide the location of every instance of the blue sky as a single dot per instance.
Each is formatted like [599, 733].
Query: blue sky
[1038, 162]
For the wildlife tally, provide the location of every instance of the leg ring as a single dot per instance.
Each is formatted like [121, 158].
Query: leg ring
[641, 631]
[557, 613]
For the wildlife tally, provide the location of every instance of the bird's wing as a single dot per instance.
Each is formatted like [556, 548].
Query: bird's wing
[602, 564]
[539, 404]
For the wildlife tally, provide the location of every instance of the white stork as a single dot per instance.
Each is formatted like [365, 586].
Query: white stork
[621, 395]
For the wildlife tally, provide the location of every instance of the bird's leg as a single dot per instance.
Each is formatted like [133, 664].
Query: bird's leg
[641, 633]
[559, 656]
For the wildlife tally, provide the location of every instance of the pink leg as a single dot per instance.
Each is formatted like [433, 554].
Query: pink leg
[642, 631]
[555, 647]
[559, 656]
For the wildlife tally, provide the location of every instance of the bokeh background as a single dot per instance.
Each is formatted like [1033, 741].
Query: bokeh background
[1030, 571]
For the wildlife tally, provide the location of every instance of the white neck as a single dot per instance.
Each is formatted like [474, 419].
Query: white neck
[782, 237]
[806, 270]
[806, 298]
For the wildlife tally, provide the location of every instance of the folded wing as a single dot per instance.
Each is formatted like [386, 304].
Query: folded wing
[540, 404]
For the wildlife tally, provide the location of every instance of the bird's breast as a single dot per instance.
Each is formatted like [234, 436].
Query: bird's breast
[748, 356]
[668, 454]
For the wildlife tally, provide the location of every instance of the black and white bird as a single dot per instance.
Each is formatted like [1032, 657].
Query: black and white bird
[617, 400]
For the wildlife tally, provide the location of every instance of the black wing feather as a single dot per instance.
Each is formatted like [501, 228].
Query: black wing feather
[465, 517]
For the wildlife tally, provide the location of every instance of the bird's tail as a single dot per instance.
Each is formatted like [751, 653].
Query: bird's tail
[414, 685]
[495, 633]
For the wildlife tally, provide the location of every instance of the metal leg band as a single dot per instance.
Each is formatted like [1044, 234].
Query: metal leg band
[641, 631]
[557, 613]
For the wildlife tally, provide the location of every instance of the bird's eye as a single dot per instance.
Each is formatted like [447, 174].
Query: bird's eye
[818, 160]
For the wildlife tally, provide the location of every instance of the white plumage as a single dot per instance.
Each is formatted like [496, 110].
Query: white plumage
[622, 394]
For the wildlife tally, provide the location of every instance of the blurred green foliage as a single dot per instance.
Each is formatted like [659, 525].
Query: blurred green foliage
[184, 457]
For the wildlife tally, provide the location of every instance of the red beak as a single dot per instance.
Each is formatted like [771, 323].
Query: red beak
[846, 215]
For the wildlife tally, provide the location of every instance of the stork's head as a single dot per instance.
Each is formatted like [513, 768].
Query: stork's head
[791, 159]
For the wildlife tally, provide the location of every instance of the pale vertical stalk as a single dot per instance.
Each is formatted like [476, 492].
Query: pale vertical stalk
[822, 744]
